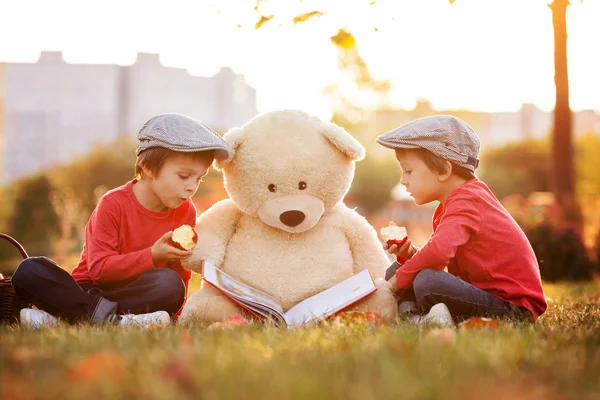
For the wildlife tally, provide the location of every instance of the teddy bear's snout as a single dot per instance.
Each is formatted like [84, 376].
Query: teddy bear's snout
[292, 218]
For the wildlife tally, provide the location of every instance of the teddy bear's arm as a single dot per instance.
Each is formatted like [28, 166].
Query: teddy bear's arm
[214, 228]
[366, 248]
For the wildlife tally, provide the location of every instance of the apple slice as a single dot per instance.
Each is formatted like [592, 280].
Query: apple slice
[184, 237]
[393, 234]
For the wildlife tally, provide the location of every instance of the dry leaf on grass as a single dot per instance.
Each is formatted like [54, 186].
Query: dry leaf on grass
[444, 335]
[26, 354]
[185, 337]
[107, 363]
[231, 322]
[479, 322]
[358, 317]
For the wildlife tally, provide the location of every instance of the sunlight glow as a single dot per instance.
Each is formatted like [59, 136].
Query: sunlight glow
[487, 55]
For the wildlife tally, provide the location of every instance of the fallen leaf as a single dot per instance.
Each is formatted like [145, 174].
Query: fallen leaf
[177, 369]
[185, 337]
[13, 387]
[25, 354]
[479, 322]
[441, 335]
[236, 321]
[369, 317]
[107, 363]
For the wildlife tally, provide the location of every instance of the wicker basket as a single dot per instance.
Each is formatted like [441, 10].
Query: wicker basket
[10, 304]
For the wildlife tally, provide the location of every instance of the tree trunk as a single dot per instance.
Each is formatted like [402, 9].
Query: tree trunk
[562, 169]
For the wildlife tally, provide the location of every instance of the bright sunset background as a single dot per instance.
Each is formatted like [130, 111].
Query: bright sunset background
[485, 55]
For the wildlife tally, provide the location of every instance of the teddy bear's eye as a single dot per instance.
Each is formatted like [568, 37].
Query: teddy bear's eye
[302, 185]
[272, 188]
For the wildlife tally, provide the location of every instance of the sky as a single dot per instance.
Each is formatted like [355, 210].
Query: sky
[483, 55]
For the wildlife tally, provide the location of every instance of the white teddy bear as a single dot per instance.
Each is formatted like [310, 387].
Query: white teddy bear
[284, 229]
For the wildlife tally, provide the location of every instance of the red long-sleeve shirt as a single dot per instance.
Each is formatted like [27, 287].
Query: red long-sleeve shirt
[480, 242]
[119, 235]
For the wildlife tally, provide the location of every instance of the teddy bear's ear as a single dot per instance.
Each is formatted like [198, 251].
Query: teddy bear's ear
[234, 138]
[343, 141]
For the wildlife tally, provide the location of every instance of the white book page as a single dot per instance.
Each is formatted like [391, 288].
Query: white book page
[331, 300]
[237, 289]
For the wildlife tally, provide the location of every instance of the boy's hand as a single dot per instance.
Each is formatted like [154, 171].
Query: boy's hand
[163, 251]
[405, 250]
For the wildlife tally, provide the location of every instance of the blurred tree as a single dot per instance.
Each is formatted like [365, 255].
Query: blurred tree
[562, 166]
[587, 149]
[107, 166]
[561, 172]
[34, 222]
[373, 182]
[520, 167]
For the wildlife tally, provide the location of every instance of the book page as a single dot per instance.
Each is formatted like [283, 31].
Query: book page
[239, 290]
[332, 300]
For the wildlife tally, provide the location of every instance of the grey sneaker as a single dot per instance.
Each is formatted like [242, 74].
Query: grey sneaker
[438, 315]
[36, 319]
[161, 318]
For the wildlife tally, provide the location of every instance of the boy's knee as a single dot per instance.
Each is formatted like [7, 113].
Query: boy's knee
[30, 270]
[170, 282]
[427, 282]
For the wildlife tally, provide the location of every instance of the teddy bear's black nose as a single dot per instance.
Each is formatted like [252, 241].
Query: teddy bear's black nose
[292, 218]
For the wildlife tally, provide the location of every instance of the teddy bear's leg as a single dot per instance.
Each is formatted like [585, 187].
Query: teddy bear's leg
[383, 302]
[208, 305]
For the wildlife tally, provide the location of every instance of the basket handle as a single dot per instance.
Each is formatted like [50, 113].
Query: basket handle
[16, 244]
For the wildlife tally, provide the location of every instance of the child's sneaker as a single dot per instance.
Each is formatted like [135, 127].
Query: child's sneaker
[438, 315]
[36, 319]
[161, 318]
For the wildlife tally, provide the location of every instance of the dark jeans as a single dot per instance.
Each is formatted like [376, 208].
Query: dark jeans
[464, 300]
[41, 282]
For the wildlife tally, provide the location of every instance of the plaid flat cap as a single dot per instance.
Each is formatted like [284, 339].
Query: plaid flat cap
[181, 133]
[444, 135]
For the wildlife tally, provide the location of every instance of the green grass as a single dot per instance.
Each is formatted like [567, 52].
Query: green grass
[558, 358]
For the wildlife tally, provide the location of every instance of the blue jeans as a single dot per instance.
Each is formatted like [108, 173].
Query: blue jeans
[464, 300]
[41, 282]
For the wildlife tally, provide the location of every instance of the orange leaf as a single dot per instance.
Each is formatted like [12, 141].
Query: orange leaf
[371, 318]
[445, 335]
[25, 354]
[231, 322]
[344, 39]
[261, 21]
[479, 322]
[185, 337]
[107, 363]
[306, 16]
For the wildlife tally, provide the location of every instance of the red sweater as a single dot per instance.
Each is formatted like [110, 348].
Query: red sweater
[119, 235]
[479, 242]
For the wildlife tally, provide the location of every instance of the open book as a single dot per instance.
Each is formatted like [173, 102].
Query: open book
[263, 306]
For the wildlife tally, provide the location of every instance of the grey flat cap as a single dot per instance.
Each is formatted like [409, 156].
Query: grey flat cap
[444, 135]
[181, 133]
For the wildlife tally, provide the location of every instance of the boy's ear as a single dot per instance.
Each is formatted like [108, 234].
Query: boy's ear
[442, 177]
[146, 172]
[234, 138]
[343, 141]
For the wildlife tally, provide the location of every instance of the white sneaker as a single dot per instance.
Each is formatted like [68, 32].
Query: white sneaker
[161, 318]
[36, 319]
[438, 315]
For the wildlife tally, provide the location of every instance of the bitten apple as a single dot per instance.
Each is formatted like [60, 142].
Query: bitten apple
[184, 237]
[393, 234]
